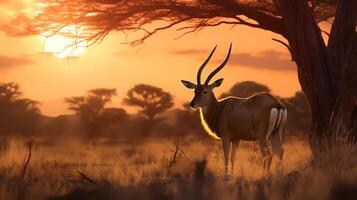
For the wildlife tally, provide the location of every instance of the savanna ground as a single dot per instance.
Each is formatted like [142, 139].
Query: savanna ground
[148, 171]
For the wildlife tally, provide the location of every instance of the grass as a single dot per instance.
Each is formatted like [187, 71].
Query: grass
[142, 172]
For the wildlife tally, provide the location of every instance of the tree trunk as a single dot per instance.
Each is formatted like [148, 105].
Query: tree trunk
[342, 49]
[151, 124]
[322, 69]
[315, 74]
[92, 131]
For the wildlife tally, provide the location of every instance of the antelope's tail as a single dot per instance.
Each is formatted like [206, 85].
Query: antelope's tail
[276, 130]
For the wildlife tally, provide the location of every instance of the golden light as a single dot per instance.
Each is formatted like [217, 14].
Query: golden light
[64, 44]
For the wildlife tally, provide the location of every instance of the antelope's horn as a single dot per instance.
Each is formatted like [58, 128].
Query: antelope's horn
[220, 67]
[203, 66]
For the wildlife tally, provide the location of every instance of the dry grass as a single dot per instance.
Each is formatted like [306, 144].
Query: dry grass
[139, 172]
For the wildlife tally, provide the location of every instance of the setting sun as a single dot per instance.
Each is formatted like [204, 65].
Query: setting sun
[62, 45]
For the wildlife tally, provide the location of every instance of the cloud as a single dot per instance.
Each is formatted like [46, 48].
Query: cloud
[269, 59]
[7, 62]
[52, 55]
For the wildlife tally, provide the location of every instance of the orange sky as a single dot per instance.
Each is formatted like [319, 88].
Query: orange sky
[161, 61]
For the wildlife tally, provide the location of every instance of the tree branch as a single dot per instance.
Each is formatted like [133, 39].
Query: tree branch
[85, 177]
[327, 33]
[148, 33]
[99, 19]
[287, 46]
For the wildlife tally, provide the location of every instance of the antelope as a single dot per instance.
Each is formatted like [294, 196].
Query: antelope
[260, 117]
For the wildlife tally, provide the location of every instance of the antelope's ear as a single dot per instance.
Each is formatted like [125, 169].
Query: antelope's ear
[188, 84]
[217, 83]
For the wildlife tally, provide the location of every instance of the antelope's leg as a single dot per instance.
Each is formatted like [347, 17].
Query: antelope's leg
[267, 156]
[235, 145]
[273, 121]
[226, 147]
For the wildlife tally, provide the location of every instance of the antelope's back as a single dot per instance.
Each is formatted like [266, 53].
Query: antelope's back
[244, 115]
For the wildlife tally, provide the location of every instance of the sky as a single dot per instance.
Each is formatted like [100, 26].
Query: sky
[161, 61]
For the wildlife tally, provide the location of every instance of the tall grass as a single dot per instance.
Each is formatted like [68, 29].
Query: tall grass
[142, 172]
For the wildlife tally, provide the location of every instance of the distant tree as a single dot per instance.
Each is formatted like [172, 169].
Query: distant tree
[188, 122]
[114, 122]
[113, 116]
[18, 115]
[90, 108]
[151, 100]
[60, 127]
[298, 113]
[9, 92]
[245, 89]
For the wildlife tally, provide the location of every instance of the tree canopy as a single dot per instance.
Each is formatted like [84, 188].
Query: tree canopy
[18, 115]
[91, 107]
[150, 99]
[93, 102]
[96, 18]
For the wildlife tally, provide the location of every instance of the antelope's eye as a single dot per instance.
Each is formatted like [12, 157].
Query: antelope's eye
[204, 92]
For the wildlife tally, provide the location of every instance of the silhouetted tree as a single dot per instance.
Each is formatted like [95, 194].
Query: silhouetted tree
[321, 67]
[18, 116]
[113, 116]
[245, 89]
[151, 100]
[188, 122]
[90, 108]
[298, 113]
[115, 123]
[61, 127]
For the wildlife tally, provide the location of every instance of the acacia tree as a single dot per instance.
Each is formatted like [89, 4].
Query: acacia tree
[326, 72]
[150, 99]
[18, 115]
[90, 108]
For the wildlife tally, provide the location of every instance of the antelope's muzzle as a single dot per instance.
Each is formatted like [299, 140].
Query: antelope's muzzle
[192, 105]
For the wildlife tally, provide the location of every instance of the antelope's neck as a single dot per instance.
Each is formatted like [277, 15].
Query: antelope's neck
[210, 116]
[210, 109]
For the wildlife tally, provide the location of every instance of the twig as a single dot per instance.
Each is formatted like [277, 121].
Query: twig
[29, 147]
[327, 33]
[85, 177]
[178, 153]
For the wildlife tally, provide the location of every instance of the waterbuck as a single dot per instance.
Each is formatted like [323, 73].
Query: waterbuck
[260, 117]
